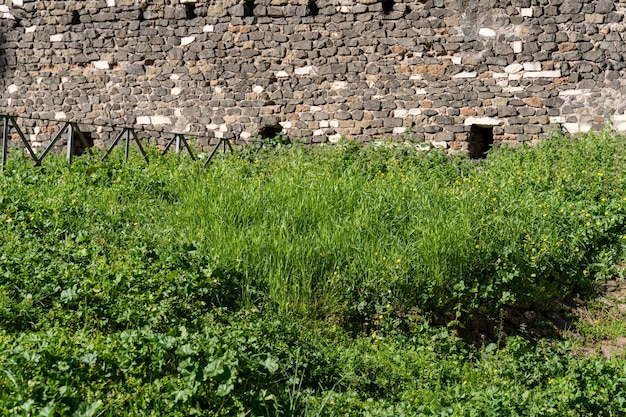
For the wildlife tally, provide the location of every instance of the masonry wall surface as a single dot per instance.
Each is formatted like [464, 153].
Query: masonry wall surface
[319, 69]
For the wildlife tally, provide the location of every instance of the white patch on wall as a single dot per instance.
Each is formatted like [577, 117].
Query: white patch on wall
[286, 125]
[176, 91]
[527, 12]
[111, 3]
[339, 85]
[517, 46]
[532, 66]
[257, 89]
[399, 130]
[12, 89]
[303, 70]
[487, 32]
[143, 120]
[187, 40]
[619, 122]
[466, 74]
[18, 3]
[543, 74]
[282, 74]
[513, 68]
[209, 28]
[103, 65]
[56, 38]
[400, 113]
[482, 121]
[160, 120]
[30, 29]
[60, 115]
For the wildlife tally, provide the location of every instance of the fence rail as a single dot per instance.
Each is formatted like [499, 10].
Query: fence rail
[73, 132]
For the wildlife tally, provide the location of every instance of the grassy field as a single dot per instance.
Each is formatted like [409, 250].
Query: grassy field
[330, 280]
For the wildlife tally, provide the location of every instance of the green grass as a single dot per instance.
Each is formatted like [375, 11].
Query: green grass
[301, 281]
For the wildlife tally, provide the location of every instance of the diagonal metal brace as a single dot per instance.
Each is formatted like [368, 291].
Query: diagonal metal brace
[126, 132]
[223, 143]
[178, 139]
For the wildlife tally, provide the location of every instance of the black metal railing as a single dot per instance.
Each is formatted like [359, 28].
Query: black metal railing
[179, 141]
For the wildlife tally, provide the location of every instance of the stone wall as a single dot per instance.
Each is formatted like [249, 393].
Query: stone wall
[317, 69]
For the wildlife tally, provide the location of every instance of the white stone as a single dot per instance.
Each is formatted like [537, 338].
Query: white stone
[187, 40]
[60, 115]
[333, 123]
[339, 85]
[12, 88]
[223, 127]
[282, 74]
[517, 46]
[56, 38]
[515, 77]
[178, 112]
[160, 120]
[532, 66]
[456, 60]
[415, 112]
[399, 130]
[30, 29]
[315, 109]
[245, 135]
[440, 145]
[318, 132]
[212, 126]
[286, 125]
[527, 12]
[619, 122]
[174, 77]
[103, 65]
[486, 32]
[4, 8]
[334, 138]
[143, 120]
[543, 74]
[344, 9]
[209, 28]
[557, 119]
[176, 91]
[303, 70]
[219, 135]
[401, 113]
[415, 77]
[257, 89]
[466, 74]
[482, 121]
[500, 75]
[8, 16]
[18, 3]
[572, 93]
[513, 68]
[421, 91]
[111, 3]
[513, 89]
[324, 123]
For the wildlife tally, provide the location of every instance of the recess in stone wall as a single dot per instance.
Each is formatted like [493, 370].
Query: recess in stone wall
[480, 141]
[248, 8]
[190, 10]
[270, 131]
[387, 6]
[312, 8]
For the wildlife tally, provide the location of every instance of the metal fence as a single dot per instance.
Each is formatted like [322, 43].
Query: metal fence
[72, 131]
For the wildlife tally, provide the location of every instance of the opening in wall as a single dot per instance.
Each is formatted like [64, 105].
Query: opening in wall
[387, 6]
[270, 131]
[312, 8]
[480, 141]
[190, 10]
[75, 17]
[248, 8]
